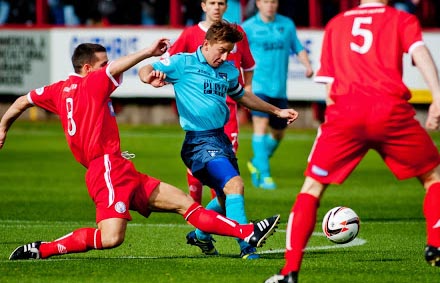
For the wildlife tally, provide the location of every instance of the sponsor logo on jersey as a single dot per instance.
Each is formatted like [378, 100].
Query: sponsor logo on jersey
[213, 152]
[120, 207]
[210, 87]
[69, 88]
[39, 91]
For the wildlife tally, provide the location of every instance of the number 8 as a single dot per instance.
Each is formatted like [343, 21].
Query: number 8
[71, 126]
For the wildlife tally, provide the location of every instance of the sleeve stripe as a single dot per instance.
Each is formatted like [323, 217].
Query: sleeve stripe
[323, 79]
[235, 91]
[29, 98]
[414, 45]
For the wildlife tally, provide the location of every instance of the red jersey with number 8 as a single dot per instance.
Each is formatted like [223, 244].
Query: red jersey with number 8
[78, 101]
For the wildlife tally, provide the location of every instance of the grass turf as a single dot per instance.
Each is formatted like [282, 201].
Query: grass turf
[43, 197]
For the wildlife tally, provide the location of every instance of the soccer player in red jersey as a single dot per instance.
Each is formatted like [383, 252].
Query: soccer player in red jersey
[84, 107]
[190, 39]
[361, 64]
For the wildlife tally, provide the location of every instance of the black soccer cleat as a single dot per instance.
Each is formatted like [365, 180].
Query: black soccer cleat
[28, 251]
[432, 255]
[292, 277]
[262, 230]
[207, 247]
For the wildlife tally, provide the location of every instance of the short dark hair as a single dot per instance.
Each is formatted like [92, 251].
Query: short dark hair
[204, 1]
[223, 32]
[85, 54]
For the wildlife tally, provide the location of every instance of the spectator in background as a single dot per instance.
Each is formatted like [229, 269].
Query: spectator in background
[250, 9]
[192, 12]
[122, 12]
[409, 6]
[87, 12]
[21, 12]
[4, 11]
[62, 12]
[161, 11]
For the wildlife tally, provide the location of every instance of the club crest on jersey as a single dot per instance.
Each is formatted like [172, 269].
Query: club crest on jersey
[165, 59]
[120, 207]
[223, 76]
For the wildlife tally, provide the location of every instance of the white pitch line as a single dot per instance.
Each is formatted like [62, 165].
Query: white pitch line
[354, 243]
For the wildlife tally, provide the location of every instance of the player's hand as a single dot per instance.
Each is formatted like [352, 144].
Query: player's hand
[2, 138]
[309, 73]
[159, 47]
[433, 120]
[289, 114]
[156, 78]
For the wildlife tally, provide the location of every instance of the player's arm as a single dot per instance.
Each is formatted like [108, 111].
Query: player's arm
[304, 59]
[13, 112]
[424, 62]
[147, 74]
[328, 100]
[252, 101]
[124, 63]
[247, 78]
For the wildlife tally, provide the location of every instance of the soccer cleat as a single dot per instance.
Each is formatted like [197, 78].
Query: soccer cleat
[432, 255]
[292, 277]
[262, 230]
[28, 251]
[255, 174]
[267, 183]
[207, 247]
[249, 253]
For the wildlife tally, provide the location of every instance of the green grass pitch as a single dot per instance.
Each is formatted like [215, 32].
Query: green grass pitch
[43, 197]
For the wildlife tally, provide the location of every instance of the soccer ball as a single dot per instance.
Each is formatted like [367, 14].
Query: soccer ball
[341, 225]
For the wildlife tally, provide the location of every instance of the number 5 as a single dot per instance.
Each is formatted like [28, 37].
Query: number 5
[357, 30]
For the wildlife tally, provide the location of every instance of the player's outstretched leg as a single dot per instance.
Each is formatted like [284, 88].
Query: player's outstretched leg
[28, 251]
[432, 255]
[292, 277]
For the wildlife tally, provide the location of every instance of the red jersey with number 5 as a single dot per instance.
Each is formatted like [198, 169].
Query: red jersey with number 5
[362, 48]
[79, 102]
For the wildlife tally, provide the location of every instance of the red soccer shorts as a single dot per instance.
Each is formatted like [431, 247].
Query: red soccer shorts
[116, 187]
[356, 124]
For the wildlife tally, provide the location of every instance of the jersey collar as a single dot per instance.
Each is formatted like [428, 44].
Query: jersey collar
[377, 4]
[200, 56]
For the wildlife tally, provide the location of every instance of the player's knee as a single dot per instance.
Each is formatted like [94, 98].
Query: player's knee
[313, 187]
[112, 240]
[430, 177]
[234, 186]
